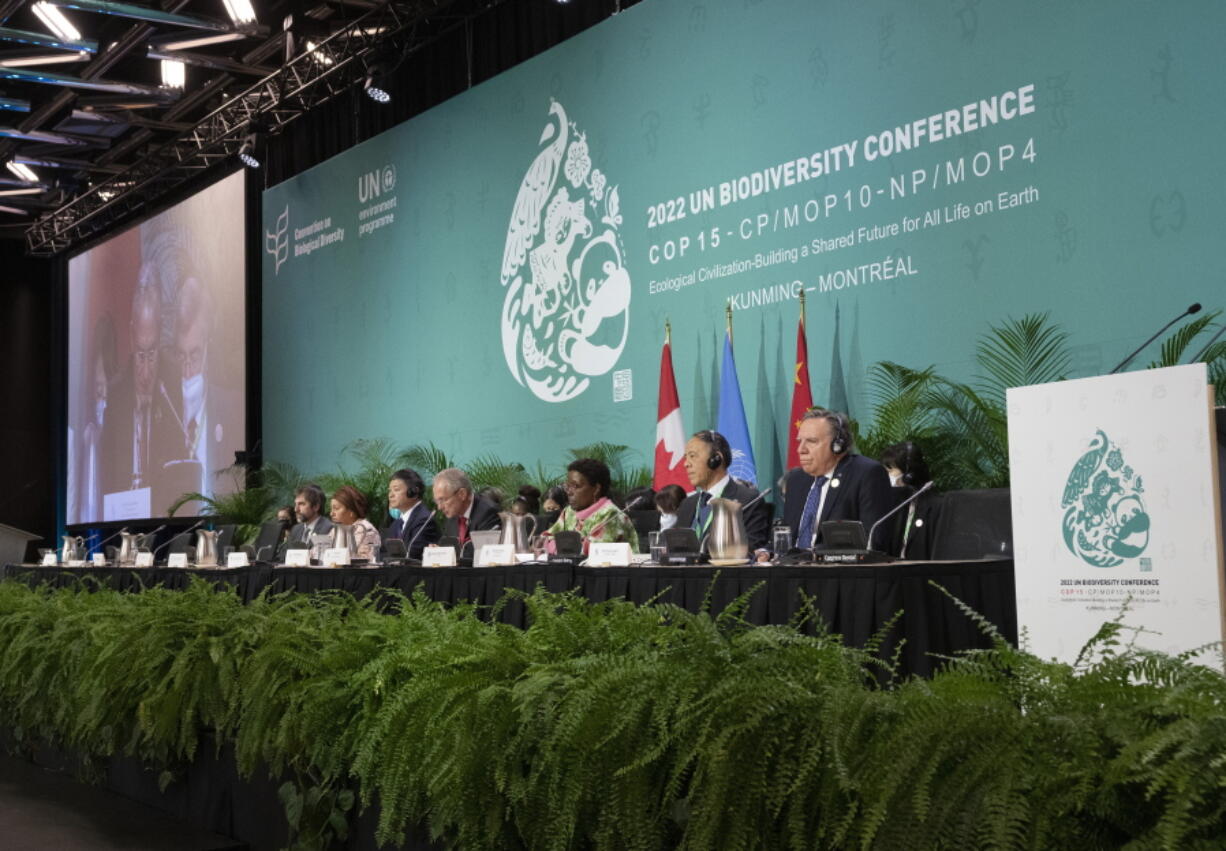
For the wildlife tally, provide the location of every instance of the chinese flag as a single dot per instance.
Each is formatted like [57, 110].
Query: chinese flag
[802, 395]
[670, 434]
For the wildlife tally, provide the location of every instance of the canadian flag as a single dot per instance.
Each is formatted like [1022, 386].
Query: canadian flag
[670, 431]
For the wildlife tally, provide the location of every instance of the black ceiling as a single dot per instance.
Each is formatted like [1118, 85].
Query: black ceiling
[76, 125]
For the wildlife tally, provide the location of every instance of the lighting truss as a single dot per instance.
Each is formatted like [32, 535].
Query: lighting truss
[300, 85]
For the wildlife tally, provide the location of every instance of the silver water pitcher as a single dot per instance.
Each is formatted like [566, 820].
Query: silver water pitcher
[129, 544]
[726, 538]
[73, 549]
[206, 548]
[342, 536]
[515, 531]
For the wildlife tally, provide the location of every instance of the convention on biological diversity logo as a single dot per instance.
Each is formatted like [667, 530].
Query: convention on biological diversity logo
[566, 314]
[1105, 521]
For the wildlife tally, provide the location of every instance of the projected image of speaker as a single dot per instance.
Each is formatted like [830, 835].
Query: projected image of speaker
[157, 361]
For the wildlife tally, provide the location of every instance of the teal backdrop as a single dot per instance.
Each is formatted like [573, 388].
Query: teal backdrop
[496, 280]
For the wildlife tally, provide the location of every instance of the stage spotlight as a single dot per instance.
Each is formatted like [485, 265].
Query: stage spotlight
[376, 92]
[251, 152]
[378, 80]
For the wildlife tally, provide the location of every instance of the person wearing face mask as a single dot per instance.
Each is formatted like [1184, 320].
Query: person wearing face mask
[412, 520]
[209, 411]
[908, 472]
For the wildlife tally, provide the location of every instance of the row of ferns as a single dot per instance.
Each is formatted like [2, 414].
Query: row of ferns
[620, 726]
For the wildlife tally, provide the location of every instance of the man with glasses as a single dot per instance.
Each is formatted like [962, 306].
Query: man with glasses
[141, 440]
[465, 512]
[209, 410]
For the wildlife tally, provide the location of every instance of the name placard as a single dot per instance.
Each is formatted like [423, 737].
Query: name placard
[298, 558]
[336, 556]
[49, 560]
[609, 555]
[99, 559]
[144, 559]
[438, 557]
[495, 554]
[238, 559]
[176, 560]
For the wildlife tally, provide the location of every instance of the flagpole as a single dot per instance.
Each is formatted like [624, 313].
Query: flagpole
[668, 333]
[728, 315]
[802, 307]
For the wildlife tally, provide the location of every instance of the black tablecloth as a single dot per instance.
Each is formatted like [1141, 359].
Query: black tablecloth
[852, 601]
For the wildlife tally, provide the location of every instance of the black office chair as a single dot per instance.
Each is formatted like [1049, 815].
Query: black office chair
[974, 524]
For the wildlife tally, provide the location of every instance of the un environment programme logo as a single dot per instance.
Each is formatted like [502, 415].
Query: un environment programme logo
[1105, 521]
[566, 314]
[276, 241]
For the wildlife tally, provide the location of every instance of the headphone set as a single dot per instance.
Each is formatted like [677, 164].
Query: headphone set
[414, 486]
[840, 439]
[720, 452]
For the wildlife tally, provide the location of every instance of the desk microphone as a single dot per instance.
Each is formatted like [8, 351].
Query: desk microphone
[172, 538]
[408, 549]
[868, 545]
[1192, 308]
[622, 512]
[102, 544]
[756, 498]
[145, 536]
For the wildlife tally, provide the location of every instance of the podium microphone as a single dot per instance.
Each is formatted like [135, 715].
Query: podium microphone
[868, 545]
[1193, 308]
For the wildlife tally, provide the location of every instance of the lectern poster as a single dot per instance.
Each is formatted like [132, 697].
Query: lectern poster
[1114, 504]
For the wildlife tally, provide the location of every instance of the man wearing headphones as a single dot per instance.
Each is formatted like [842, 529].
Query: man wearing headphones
[707, 455]
[414, 523]
[832, 483]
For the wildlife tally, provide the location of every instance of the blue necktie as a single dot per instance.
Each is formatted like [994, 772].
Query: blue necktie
[704, 511]
[808, 518]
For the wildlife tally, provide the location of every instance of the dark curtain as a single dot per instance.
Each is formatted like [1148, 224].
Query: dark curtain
[31, 362]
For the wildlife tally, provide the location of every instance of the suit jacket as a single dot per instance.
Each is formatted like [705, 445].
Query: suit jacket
[163, 443]
[483, 517]
[322, 527]
[757, 518]
[917, 529]
[417, 529]
[863, 494]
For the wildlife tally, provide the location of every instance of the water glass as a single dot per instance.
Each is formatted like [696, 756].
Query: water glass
[655, 543]
[781, 540]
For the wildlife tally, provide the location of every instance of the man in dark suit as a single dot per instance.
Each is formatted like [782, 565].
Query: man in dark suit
[415, 524]
[707, 455]
[141, 429]
[309, 507]
[465, 511]
[832, 483]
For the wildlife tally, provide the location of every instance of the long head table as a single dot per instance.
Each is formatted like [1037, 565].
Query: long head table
[853, 601]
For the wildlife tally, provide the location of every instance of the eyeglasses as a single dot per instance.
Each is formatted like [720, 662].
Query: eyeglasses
[192, 361]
